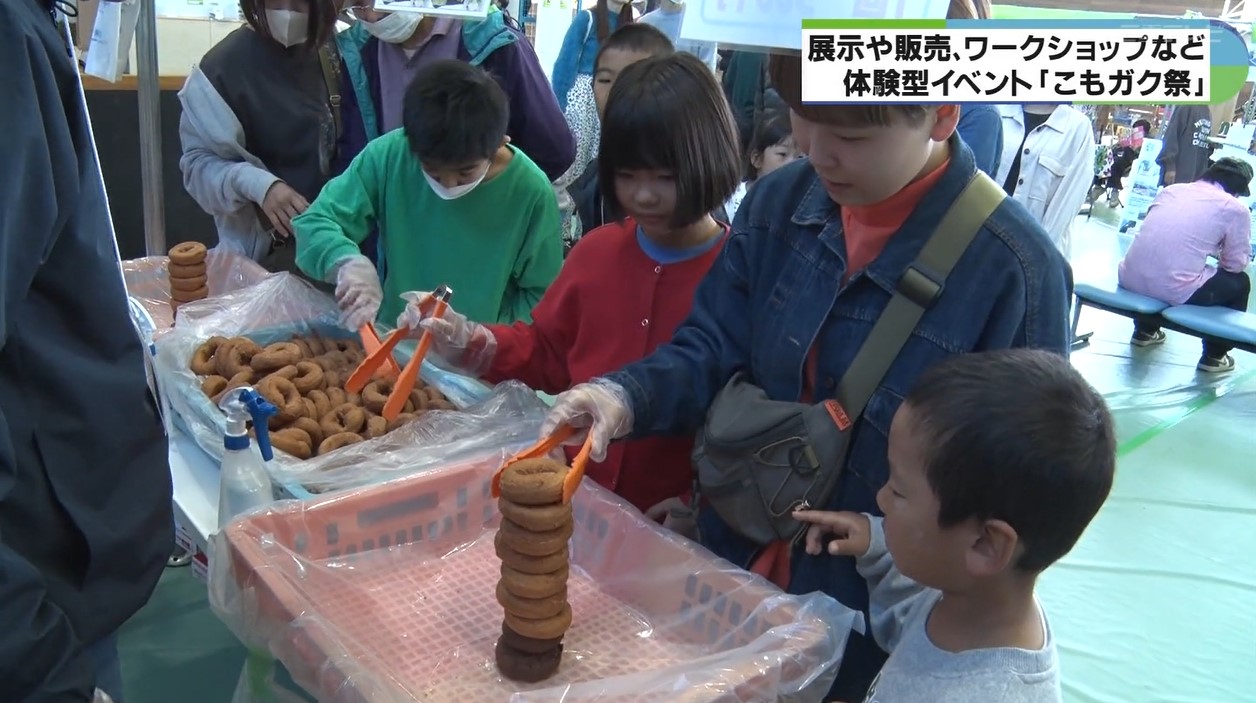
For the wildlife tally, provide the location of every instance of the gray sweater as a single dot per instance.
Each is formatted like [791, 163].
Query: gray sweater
[919, 672]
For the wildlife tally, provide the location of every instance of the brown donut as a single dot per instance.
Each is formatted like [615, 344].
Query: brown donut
[332, 378]
[375, 395]
[276, 356]
[311, 410]
[188, 253]
[418, 400]
[433, 394]
[294, 441]
[527, 645]
[322, 404]
[303, 345]
[213, 385]
[234, 356]
[202, 363]
[440, 405]
[187, 296]
[354, 399]
[239, 380]
[343, 419]
[541, 628]
[376, 426]
[190, 283]
[524, 667]
[538, 518]
[317, 347]
[283, 395]
[531, 608]
[346, 346]
[309, 377]
[288, 372]
[185, 270]
[337, 441]
[530, 564]
[401, 419]
[527, 585]
[310, 427]
[535, 543]
[336, 396]
[534, 482]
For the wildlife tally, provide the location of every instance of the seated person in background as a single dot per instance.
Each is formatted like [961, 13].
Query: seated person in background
[1168, 260]
[624, 47]
[454, 204]
[998, 462]
[771, 147]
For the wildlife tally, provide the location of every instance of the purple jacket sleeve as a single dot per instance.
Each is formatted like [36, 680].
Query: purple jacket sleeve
[537, 126]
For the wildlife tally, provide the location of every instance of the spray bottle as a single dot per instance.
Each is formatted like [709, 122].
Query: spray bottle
[243, 482]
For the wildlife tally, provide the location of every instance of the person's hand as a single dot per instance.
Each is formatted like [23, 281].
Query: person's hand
[358, 292]
[676, 515]
[600, 406]
[281, 204]
[468, 345]
[1170, 177]
[851, 532]
[101, 697]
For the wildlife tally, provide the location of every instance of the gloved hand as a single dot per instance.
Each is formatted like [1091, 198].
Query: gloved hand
[358, 292]
[101, 697]
[467, 345]
[600, 406]
[677, 516]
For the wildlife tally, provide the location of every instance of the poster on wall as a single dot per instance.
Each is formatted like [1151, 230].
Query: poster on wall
[777, 24]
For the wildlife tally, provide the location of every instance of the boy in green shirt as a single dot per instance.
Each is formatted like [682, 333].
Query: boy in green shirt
[454, 203]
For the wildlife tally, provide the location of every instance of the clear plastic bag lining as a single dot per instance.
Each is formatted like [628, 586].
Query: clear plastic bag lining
[148, 283]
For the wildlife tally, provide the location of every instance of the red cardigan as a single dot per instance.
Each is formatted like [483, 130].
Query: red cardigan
[611, 305]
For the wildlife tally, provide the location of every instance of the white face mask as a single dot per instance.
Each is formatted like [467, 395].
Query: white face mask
[457, 191]
[288, 27]
[395, 28]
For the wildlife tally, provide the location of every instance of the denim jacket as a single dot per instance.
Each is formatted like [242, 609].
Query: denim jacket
[776, 291]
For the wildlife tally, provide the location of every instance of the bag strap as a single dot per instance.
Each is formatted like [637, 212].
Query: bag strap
[918, 289]
[326, 58]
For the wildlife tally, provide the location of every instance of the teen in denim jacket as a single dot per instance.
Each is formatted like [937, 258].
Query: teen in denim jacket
[779, 295]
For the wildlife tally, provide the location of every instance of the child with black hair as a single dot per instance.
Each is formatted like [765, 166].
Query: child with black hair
[771, 147]
[626, 46]
[454, 202]
[998, 462]
[669, 147]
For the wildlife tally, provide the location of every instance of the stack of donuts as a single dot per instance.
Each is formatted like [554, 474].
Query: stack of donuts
[188, 280]
[532, 544]
[304, 379]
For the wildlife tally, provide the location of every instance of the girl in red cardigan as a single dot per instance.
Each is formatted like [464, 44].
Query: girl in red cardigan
[669, 146]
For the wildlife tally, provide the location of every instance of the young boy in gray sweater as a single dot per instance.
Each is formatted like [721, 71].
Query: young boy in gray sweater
[998, 462]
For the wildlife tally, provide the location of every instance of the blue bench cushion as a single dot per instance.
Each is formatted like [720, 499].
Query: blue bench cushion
[1219, 322]
[1114, 296]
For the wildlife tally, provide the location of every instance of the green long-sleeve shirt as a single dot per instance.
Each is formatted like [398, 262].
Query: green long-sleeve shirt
[498, 246]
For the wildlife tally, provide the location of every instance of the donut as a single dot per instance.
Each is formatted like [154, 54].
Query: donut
[213, 385]
[309, 377]
[527, 645]
[187, 296]
[418, 399]
[524, 667]
[315, 343]
[188, 253]
[541, 628]
[338, 440]
[239, 380]
[530, 564]
[288, 372]
[527, 585]
[294, 441]
[532, 543]
[303, 345]
[276, 356]
[531, 608]
[311, 410]
[336, 396]
[376, 426]
[440, 405]
[332, 378]
[203, 358]
[322, 404]
[433, 394]
[534, 482]
[401, 419]
[283, 395]
[310, 427]
[343, 419]
[537, 518]
[346, 346]
[375, 395]
[354, 399]
[234, 355]
[185, 270]
[189, 283]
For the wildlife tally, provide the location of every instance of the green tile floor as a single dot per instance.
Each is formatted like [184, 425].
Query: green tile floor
[1157, 602]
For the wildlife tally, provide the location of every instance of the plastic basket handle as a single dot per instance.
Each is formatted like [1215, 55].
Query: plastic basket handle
[572, 480]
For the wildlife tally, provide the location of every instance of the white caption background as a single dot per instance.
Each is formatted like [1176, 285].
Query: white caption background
[1050, 79]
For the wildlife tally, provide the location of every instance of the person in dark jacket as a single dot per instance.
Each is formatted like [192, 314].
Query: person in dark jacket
[85, 496]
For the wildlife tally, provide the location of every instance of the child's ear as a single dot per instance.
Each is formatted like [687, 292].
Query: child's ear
[945, 120]
[505, 141]
[995, 548]
[756, 159]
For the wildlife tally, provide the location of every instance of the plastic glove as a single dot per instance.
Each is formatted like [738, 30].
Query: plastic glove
[358, 292]
[101, 697]
[677, 516]
[600, 406]
[467, 345]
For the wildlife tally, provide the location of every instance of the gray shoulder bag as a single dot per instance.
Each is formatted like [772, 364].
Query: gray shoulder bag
[758, 460]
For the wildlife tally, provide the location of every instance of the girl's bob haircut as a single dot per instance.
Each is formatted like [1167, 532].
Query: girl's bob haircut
[668, 113]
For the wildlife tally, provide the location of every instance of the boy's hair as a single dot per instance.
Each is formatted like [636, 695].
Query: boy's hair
[322, 22]
[669, 113]
[637, 38]
[454, 112]
[785, 74]
[773, 128]
[1016, 435]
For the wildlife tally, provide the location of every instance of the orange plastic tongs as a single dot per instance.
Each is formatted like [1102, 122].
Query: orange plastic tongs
[371, 344]
[572, 480]
[374, 360]
[410, 374]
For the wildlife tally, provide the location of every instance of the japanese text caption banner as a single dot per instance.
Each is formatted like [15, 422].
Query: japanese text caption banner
[1020, 61]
